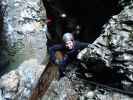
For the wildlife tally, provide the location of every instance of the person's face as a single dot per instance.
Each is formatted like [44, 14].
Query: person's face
[69, 44]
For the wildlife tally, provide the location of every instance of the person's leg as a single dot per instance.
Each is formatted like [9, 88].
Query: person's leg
[61, 63]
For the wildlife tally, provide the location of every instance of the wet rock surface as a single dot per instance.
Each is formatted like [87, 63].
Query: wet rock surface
[61, 90]
[19, 84]
[75, 87]
[114, 49]
[23, 47]
[23, 33]
[114, 46]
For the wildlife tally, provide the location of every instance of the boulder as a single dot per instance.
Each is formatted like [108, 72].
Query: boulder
[114, 46]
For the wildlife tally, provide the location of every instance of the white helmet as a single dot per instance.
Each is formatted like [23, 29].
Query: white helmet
[67, 37]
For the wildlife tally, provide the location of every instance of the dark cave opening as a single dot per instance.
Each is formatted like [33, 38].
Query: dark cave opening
[89, 15]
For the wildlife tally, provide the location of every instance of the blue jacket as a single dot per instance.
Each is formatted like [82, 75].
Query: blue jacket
[69, 54]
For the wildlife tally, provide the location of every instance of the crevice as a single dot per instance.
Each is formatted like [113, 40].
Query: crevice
[89, 15]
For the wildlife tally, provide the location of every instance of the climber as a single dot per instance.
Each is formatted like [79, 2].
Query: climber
[69, 48]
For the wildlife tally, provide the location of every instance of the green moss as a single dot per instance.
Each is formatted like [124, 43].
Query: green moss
[131, 36]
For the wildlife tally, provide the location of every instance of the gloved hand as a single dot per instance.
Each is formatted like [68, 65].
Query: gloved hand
[57, 61]
[64, 61]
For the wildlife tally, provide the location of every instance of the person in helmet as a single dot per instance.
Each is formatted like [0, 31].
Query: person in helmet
[69, 48]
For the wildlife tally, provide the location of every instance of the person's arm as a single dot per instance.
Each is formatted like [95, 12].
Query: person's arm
[52, 51]
[65, 60]
[82, 45]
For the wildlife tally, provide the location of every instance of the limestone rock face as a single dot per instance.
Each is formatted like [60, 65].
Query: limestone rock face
[23, 47]
[115, 46]
[24, 30]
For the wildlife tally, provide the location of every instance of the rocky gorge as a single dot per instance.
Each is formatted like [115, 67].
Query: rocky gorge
[26, 73]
